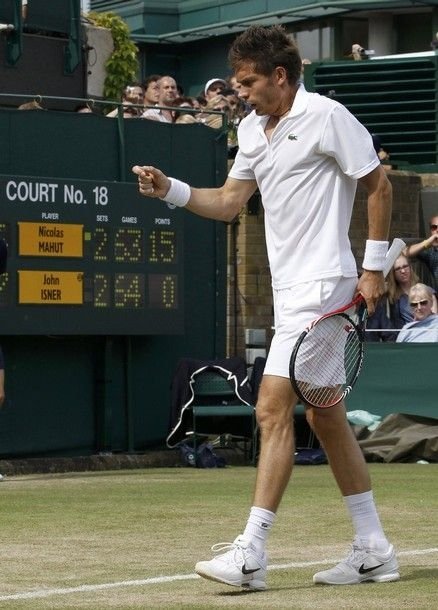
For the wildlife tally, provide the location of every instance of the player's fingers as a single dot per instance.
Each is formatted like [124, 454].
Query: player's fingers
[146, 188]
[137, 169]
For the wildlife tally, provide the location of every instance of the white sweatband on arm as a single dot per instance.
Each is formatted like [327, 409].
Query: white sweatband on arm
[375, 254]
[178, 194]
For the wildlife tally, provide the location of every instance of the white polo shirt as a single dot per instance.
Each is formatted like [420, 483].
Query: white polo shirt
[307, 177]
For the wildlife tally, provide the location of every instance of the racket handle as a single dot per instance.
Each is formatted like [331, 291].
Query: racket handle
[397, 246]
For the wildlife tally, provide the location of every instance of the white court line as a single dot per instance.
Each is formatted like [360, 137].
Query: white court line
[176, 577]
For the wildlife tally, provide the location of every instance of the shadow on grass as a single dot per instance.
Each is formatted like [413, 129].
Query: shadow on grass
[421, 574]
[243, 592]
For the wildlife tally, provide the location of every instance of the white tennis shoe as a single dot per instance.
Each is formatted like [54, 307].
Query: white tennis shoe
[361, 565]
[238, 566]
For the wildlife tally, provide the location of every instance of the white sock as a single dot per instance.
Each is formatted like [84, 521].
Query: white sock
[257, 529]
[366, 521]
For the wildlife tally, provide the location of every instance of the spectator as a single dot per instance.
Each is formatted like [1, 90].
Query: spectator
[219, 103]
[358, 52]
[214, 120]
[236, 113]
[132, 100]
[151, 88]
[183, 103]
[186, 119]
[167, 95]
[424, 328]
[401, 278]
[33, 105]
[202, 102]
[197, 104]
[213, 87]
[427, 250]
[233, 84]
[84, 109]
[232, 99]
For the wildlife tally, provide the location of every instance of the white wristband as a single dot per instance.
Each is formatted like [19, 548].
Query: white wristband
[178, 194]
[375, 254]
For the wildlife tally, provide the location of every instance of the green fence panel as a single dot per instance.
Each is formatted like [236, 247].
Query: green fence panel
[398, 378]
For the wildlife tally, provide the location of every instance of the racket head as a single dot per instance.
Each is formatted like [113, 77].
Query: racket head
[326, 360]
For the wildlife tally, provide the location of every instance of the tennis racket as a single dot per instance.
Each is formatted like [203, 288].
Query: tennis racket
[328, 355]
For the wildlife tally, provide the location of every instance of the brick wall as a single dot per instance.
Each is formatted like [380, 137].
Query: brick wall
[250, 299]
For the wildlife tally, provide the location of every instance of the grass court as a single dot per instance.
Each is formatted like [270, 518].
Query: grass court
[129, 539]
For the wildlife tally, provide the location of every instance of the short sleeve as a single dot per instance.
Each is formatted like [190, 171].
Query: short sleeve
[349, 142]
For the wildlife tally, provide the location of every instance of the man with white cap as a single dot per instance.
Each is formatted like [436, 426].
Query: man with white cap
[213, 87]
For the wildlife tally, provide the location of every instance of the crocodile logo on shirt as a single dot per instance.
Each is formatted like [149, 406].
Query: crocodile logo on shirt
[292, 136]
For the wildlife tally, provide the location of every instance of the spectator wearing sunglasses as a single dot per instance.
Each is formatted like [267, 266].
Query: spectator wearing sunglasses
[427, 250]
[424, 328]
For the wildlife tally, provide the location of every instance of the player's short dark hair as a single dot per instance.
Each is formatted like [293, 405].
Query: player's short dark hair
[267, 48]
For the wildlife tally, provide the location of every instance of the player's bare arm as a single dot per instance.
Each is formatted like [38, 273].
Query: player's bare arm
[371, 284]
[223, 203]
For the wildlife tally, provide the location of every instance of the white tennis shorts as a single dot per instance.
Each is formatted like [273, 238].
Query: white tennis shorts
[295, 308]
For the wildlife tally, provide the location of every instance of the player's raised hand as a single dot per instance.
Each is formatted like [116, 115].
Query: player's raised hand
[151, 181]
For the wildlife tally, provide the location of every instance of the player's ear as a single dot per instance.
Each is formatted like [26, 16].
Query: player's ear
[280, 75]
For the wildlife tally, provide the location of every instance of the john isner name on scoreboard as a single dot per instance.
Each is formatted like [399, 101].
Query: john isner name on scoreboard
[50, 287]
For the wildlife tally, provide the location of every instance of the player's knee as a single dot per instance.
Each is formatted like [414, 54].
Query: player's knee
[271, 414]
[326, 421]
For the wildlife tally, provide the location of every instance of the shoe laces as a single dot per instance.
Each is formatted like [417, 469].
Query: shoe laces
[223, 547]
[357, 553]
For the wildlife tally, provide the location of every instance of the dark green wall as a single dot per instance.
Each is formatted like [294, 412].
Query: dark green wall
[83, 394]
[398, 378]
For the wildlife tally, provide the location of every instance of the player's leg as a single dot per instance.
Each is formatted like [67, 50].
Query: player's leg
[275, 420]
[244, 562]
[342, 449]
[372, 557]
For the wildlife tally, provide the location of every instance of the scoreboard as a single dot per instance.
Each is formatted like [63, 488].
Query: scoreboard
[87, 257]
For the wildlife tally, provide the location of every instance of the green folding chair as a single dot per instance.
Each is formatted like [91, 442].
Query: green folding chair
[218, 410]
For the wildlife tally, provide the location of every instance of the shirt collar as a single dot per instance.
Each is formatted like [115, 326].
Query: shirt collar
[300, 102]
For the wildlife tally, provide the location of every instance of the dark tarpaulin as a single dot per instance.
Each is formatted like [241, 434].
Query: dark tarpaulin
[402, 438]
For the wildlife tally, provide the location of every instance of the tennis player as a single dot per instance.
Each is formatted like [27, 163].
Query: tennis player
[305, 153]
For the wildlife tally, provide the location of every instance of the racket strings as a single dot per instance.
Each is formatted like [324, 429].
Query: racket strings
[326, 360]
